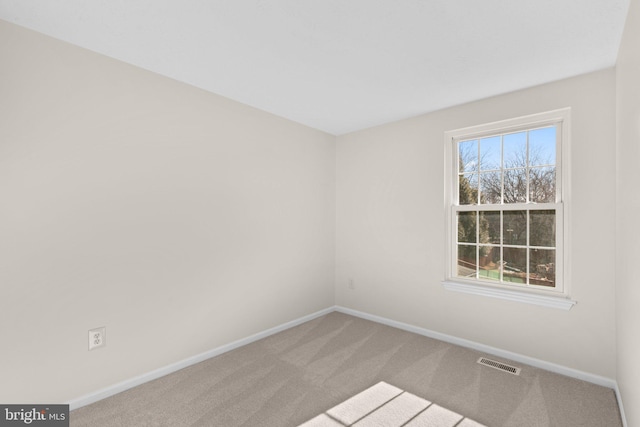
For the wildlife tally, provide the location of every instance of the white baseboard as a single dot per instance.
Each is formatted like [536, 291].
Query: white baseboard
[552, 367]
[160, 372]
[619, 398]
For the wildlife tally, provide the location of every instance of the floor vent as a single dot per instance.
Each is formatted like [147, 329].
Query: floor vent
[499, 365]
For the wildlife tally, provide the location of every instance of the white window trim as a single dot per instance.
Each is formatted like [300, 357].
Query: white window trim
[556, 298]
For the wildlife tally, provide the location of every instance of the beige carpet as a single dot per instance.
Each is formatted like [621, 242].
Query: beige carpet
[291, 377]
[384, 405]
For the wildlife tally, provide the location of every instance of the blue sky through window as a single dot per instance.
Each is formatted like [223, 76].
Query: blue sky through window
[542, 146]
[509, 151]
[490, 153]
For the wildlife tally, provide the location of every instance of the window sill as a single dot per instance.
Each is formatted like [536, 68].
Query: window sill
[559, 302]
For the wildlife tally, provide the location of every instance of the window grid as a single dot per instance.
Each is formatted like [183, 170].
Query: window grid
[528, 206]
[501, 245]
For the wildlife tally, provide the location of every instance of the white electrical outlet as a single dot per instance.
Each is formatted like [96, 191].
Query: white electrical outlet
[97, 338]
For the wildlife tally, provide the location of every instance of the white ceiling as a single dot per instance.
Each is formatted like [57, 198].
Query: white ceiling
[342, 65]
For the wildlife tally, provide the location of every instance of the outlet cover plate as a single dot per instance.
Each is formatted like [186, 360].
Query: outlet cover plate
[97, 338]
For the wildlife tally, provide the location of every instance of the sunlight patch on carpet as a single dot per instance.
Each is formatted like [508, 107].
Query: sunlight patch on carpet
[389, 406]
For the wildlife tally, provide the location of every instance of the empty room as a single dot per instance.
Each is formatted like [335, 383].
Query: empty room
[319, 213]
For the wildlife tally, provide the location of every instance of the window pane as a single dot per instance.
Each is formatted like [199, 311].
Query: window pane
[468, 156]
[515, 150]
[515, 186]
[490, 187]
[467, 266]
[542, 228]
[490, 227]
[489, 262]
[467, 227]
[515, 227]
[542, 185]
[542, 146]
[468, 189]
[514, 267]
[490, 153]
[542, 267]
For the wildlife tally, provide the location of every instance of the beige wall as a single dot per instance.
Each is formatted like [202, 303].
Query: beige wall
[628, 208]
[178, 219]
[390, 228]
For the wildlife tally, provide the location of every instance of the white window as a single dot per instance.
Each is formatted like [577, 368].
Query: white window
[507, 188]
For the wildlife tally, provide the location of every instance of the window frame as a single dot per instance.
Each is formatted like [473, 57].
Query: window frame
[558, 297]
